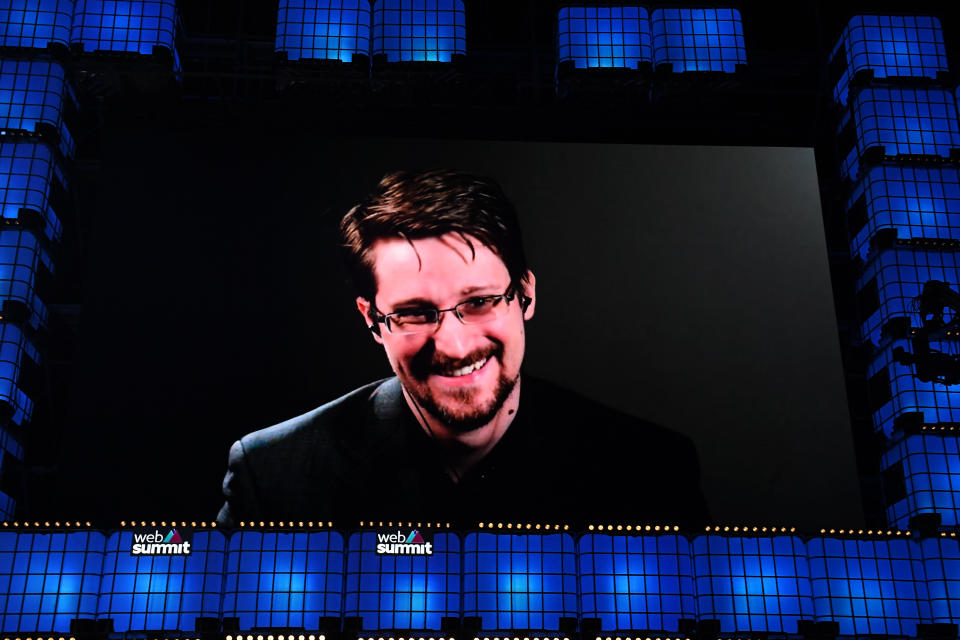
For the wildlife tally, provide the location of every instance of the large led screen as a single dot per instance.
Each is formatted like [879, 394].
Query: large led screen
[686, 286]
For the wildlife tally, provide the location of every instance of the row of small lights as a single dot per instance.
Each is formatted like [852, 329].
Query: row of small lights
[163, 523]
[528, 526]
[933, 427]
[505, 638]
[952, 534]
[629, 527]
[929, 242]
[38, 638]
[632, 638]
[869, 532]
[282, 524]
[46, 524]
[280, 637]
[753, 529]
[420, 525]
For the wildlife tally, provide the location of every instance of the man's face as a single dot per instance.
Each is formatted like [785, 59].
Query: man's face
[435, 366]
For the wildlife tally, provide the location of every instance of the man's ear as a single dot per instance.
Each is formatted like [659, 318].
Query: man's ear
[530, 292]
[366, 310]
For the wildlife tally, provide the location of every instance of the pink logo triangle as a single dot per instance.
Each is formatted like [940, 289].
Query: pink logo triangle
[176, 539]
[417, 538]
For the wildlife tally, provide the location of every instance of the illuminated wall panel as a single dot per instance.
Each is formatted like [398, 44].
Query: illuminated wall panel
[283, 579]
[604, 36]
[419, 30]
[909, 46]
[161, 592]
[323, 30]
[20, 257]
[753, 584]
[402, 592]
[868, 586]
[918, 201]
[698, 39]
[14, 347]
[34, 91]
[903, 120]
[34, 23]
[27, 172]
[895, 390]
[519, 582]
[897, 276]
[135, 26]
[10, 452]
[636, 582]
[931, 473]
[47, 579]
[941, 568]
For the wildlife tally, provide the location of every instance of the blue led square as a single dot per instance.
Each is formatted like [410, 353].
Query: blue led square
[899, 275]
[877, 587]
[603, 36]
[918, 201]
[698, 39]
[323, 29]
[752, 584]
[20, 257]
[931, 470]
[134, 26]
[35, 23]
[534, 577]
[937, 402]
[903, 120]
[38, 591]
[635, 582]
[27, 172]
[154, 592]
[259, 571]
[890, 46]
[419, 30]
[941, 565]
[14, 346]
[33, 92]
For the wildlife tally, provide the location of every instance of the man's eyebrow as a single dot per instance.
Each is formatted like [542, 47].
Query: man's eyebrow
[486, 287]
[466, 291]
[409, 302]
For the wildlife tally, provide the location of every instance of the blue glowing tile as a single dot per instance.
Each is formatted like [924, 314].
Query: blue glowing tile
[611, 37]
[698, 39]
[889, 46]
[133, 26]
[35, 23]
[926, 464]
[414, 30]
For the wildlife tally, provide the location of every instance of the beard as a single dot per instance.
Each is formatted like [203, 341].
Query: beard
[458, 409]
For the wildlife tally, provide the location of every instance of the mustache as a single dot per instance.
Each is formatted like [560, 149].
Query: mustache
[428, 361]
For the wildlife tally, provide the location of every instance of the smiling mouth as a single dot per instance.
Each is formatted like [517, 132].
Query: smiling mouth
[465, 370]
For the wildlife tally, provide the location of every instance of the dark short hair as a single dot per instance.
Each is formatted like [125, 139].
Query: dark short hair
[426, 204]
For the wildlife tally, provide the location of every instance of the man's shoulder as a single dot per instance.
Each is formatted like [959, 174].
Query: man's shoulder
[337, 421]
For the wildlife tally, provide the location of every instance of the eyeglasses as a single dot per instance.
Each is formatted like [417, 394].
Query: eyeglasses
[476, 310]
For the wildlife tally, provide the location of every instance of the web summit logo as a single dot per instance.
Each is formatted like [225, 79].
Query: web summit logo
[157, 544]
[403, 545]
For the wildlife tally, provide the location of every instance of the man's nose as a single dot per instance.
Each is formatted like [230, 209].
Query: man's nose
[453, 338]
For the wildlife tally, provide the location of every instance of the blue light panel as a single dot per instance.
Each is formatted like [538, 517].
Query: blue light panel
[47, 579]
[900, 274]
[14, 346]
[161, 592]
[753, 584]
[135, 26]
[419, 30]
[636, 582]
[34, 91]
[868, 586]
[941, 568]
[931, 470]
[604, 36]
[910, 46]
[917, 201]
[283, 579]
[903, 120]
[20, 258]
[323, 30]
[519, 582]
[698, 39]
[937, 402]
[34, 23]
[27, 171]
[402, 592]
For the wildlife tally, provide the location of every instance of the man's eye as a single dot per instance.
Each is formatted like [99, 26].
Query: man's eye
[478, 303]
[413, 315]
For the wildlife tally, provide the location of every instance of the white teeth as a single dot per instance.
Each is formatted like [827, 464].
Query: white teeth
[470, 368]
